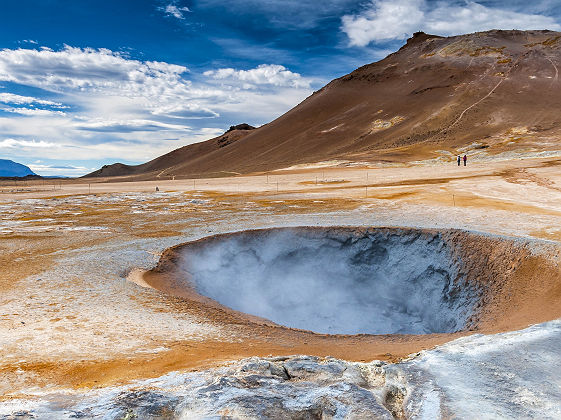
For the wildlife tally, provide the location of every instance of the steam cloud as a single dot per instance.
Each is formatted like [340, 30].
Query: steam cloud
[337, 281]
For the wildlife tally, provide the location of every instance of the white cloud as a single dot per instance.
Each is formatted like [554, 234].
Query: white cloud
[13, 143]
[264, 74]
[180, 110]
[475, 17]
[172, 10]
[120, 108]
[127, 125]
[89, 69]
[59, 170]
[385, 20]
[105, 84]
[10, 98]
[32, 111]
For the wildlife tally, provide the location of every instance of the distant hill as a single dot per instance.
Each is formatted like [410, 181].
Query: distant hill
[494, 92]
[179, 161]
[9, 168]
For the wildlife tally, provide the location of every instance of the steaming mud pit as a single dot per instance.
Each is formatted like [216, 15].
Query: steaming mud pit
[334, 281]
[368, 281]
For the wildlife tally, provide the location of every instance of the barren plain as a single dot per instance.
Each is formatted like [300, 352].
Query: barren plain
[84, 331]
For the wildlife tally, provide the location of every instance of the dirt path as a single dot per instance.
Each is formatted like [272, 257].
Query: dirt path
[473, 105]
[556, 78]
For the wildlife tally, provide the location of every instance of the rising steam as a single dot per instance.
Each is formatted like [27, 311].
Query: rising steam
[343, 281]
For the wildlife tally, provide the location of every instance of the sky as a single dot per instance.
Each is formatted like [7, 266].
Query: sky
[93, 82]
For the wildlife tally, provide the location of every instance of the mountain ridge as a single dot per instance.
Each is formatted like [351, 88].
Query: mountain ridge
[432, 98]
[11, 169]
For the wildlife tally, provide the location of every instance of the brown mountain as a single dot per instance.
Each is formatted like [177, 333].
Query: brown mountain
[497, 91]
[178, 161]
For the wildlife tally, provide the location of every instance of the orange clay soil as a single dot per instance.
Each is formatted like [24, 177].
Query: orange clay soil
[521, 288]
[528, 293]
[195, 356]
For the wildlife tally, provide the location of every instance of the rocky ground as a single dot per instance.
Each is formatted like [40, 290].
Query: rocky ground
[78, 339]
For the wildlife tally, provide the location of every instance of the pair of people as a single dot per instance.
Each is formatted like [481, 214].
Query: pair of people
[460, 159]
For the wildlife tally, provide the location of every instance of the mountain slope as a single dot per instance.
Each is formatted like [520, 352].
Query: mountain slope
[173, 163]
[9, 168]
[495, 90]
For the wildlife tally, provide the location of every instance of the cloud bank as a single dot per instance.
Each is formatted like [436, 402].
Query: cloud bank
[103, 104]
[386, 20]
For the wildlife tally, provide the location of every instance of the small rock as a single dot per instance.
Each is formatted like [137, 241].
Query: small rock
[279, 371]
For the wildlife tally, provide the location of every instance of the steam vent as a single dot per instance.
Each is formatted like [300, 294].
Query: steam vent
[346, 280]
[343, 282]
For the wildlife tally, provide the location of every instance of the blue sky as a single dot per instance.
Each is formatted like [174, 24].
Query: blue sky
[87, 83]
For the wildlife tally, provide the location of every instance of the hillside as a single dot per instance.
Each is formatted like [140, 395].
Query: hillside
[496, 91]
[178, 161]
[9, 168]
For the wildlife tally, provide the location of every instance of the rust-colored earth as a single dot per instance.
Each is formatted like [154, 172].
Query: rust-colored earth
[69, 325]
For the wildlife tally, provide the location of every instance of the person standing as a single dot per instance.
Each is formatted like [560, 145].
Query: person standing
[459, 159]
[465, 159]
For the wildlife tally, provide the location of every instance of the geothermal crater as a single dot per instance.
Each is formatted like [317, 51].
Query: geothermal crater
[335, 281]
[372, 281]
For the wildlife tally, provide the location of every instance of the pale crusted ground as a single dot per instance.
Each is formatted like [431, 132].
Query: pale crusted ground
[69, 317]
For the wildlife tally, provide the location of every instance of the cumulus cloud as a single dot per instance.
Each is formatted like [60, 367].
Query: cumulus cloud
[159, 88]
[264, 74]
[90, 69]
[385, 20]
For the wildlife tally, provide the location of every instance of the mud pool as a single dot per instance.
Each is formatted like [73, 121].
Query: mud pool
[342, 281]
